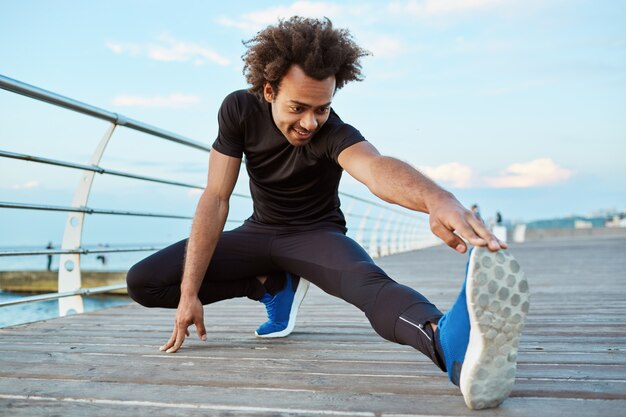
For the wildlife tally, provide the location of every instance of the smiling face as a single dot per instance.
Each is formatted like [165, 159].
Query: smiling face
[302, 104]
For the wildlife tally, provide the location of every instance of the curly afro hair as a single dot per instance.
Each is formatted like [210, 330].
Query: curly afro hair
[318, 48]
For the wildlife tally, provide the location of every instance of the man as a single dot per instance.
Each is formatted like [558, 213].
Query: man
[296, 148]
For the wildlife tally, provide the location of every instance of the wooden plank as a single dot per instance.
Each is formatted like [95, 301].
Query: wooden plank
[237, 401]
[572, 357]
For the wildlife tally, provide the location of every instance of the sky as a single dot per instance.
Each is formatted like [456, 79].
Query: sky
[517, 106]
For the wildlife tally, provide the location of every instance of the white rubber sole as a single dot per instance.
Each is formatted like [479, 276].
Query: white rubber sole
[303, 287]
[498, 301]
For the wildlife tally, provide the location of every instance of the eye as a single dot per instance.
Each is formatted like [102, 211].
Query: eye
[323, 110]
[295, 109]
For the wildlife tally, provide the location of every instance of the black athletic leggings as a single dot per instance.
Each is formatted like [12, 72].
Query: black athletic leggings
[322, 254]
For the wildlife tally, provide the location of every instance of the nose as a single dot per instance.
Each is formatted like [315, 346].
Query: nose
[309, 122]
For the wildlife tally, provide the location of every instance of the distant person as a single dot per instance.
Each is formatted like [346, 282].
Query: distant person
[296, 148]
[50, 246]
[498, 218]
[476, 212]
[102, 259]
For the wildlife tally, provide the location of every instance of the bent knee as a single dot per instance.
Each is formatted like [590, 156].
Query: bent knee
[136, 280]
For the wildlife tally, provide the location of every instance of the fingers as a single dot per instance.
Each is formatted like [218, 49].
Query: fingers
[180, 338]
[449, 238]
[200, 329]
[469, 228]
[475, 232]
[170, 342]
[494, 244]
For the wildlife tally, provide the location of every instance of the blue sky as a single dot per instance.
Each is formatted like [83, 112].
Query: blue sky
[515, 105]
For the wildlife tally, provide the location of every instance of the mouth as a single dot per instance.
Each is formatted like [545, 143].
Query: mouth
[302, 134]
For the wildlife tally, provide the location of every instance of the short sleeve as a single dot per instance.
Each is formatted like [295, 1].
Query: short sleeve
[344, 137]
[230, 136]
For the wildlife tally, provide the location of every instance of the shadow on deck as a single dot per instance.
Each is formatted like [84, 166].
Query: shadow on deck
[572, 357]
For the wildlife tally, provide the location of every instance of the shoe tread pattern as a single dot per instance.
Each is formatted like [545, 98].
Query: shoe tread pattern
[498, 302]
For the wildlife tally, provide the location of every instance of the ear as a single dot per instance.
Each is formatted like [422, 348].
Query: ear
[268, 92]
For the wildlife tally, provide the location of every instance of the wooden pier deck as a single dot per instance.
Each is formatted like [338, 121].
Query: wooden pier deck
[572, 358]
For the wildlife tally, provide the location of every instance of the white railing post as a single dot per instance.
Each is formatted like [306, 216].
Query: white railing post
[69, 264]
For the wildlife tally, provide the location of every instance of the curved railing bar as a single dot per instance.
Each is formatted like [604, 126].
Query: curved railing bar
[46, 96]
[100, 170]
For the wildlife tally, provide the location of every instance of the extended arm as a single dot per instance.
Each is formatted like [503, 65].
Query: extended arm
[208, 224]
[397, 182]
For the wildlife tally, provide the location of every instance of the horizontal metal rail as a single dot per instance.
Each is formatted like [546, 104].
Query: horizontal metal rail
[46, 96]
[37, 93]
[387, 230]
[57, 295]
[87, 210]
[79, 251]
[100, 170]
[380, 205]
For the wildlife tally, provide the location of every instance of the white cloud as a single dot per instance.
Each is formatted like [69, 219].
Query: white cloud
[171, 101]
[437, 11]
[27, 185]
[383, 46]
[536, 173]
[454, 174]
[169, 49]
[254, 21]
[429, 8]
[125, 48]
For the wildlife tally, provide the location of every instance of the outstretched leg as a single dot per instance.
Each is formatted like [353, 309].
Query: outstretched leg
[339, 266]
[476, 341]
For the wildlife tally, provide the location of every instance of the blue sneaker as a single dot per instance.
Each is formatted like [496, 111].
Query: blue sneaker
[479, 336]
[282, 308]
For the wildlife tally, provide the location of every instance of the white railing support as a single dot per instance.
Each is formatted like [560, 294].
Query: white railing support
[69, 264]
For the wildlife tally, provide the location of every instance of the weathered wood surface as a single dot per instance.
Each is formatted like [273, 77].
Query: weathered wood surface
[572, 358]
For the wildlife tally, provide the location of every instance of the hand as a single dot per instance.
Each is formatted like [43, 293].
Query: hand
[189, 312]
[448, 216]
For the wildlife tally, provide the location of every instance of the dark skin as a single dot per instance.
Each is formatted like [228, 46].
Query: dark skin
[300, 108]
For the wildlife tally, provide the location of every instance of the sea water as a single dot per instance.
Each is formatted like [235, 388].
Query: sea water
[49, 309]
[44, 310]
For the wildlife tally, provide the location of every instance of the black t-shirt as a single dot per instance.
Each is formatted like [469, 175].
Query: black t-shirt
[290, 185]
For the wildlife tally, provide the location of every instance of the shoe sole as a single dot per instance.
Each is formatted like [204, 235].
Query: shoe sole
[303, 287]
[497, 301]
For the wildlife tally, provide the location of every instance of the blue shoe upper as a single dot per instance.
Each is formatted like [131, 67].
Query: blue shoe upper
[453, 335]
[278, 308]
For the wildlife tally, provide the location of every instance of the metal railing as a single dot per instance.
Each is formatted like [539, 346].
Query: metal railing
[381, 230]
